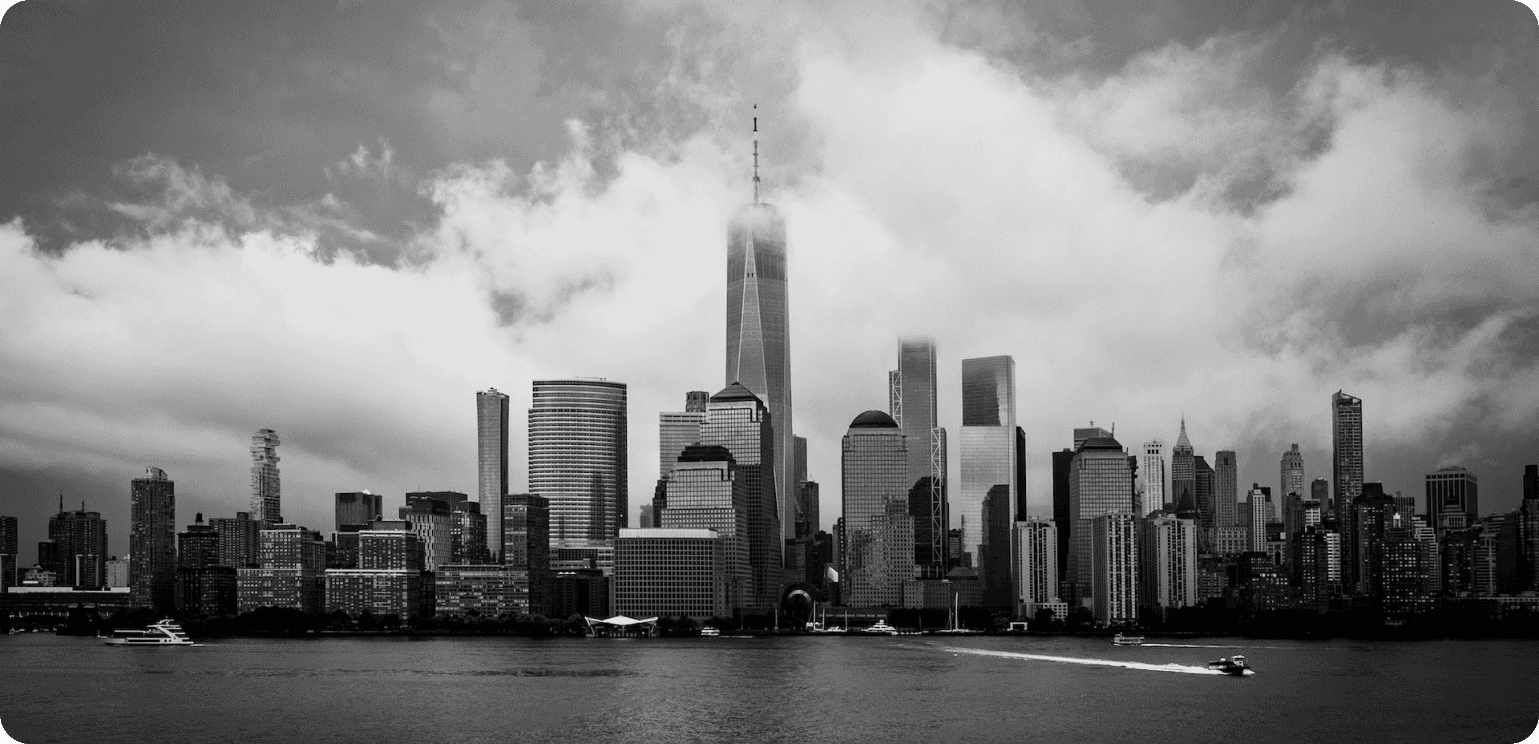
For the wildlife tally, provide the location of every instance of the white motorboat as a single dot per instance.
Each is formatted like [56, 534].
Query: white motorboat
[163, 633]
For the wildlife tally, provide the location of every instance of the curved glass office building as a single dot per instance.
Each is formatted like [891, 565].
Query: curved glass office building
[577, 461]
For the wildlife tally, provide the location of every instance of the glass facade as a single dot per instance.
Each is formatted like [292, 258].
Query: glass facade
[1100, 482]
[759, 334]
[739, 421]
[669, 573]
[914, 406]
[706, 491]
[492, 462]
[578, 462]
[675, 431]
[878, 529]
[988, 442]
[358, 508]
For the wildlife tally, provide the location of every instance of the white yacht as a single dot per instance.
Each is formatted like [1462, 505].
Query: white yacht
[163, 633]
[881, 628]
[710, 632]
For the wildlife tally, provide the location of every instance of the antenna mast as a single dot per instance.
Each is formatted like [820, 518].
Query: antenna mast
[756, 153]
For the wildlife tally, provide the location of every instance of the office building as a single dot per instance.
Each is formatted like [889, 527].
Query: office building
[117, 573]
[1098, 484]
[1169, 564]
[878, 528]
[431, 521]
[1320, 490]
[1292, 477]
[670, 573]
[79, 548]
[988, 443]
[995, 552]
[290, 572]
[1183, 473]
[914, 405]
[467, 533]
[811, 509]
[1452, 498]
[1035, 563]
[1205, 480]
[266, 495]
[492, 463]
[705, 490]
[1156, 497]
[1063, 516]
[739, 421]
[487, 591]
[759, 334]
[358, 508]
[152, 541]
[8, 554]
[679, 429]
[578, 463]
[204, 585]
[237, 540]
[1114, 567]
[526, 546]
[1226, 489]
[583, 592]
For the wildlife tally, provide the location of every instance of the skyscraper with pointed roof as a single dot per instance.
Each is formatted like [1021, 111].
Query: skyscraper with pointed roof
[1183, 472]
[758, 327]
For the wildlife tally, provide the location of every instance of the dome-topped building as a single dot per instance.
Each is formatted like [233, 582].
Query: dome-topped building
[873, 420]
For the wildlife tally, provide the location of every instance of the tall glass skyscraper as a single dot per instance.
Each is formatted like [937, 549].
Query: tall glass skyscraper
[152, 541]
[759, 333]
[988, 441]
[914, 407]
[578, 462]
[705, 490]
[878, 529]
[1100, 482]
[1155, 495]
[492, 463]
[266, 496]
[1347, 475]
[739, 421]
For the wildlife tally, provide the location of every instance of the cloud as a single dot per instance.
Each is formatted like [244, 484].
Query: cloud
[1158, 241]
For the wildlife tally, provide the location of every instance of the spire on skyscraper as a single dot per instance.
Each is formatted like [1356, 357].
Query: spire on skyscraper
[756, 153]
[1182, 441]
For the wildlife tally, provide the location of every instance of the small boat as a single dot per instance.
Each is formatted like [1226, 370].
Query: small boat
[1128, 640]
[880, 628]
[709, 632]
[163, 633]
[1234, 665]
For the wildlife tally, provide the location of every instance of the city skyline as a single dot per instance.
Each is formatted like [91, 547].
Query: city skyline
[511, 263]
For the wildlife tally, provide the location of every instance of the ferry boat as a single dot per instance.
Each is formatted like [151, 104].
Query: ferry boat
[1230, 665]
[881, 628]
[1127, 640]
[163, 633]
[709, 632]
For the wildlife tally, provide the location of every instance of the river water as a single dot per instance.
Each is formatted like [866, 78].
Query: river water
[791, 689]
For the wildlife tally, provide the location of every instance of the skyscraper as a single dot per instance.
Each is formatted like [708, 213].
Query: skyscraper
[915, 408]
[80, 547]
[238, 536]
[675, 431]
[1168, 563]
[1035, 563]
[1257, 503]
[432, 521]
[759, 328]
[1226, 489]
[879, 547]
[1063, 515]
[492, 463]
[988, 441]
[707, 491]
[739, 421]
[358, 508]
[1183, 474]
[152, 541]
[1098, 485]
[1114, 567]
[1347, 476]
[1204, 480]
[266, 496]
[1155, 495]
[1292, 480]
[8, 553]
[578, 462]
[994, 554]
[1453, 501]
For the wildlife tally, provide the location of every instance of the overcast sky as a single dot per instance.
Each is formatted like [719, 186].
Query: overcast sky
[340, 220]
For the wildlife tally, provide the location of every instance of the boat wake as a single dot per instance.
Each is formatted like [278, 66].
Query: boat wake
[1172, 667]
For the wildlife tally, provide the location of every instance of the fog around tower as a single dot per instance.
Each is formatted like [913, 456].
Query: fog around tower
[1154, 215]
